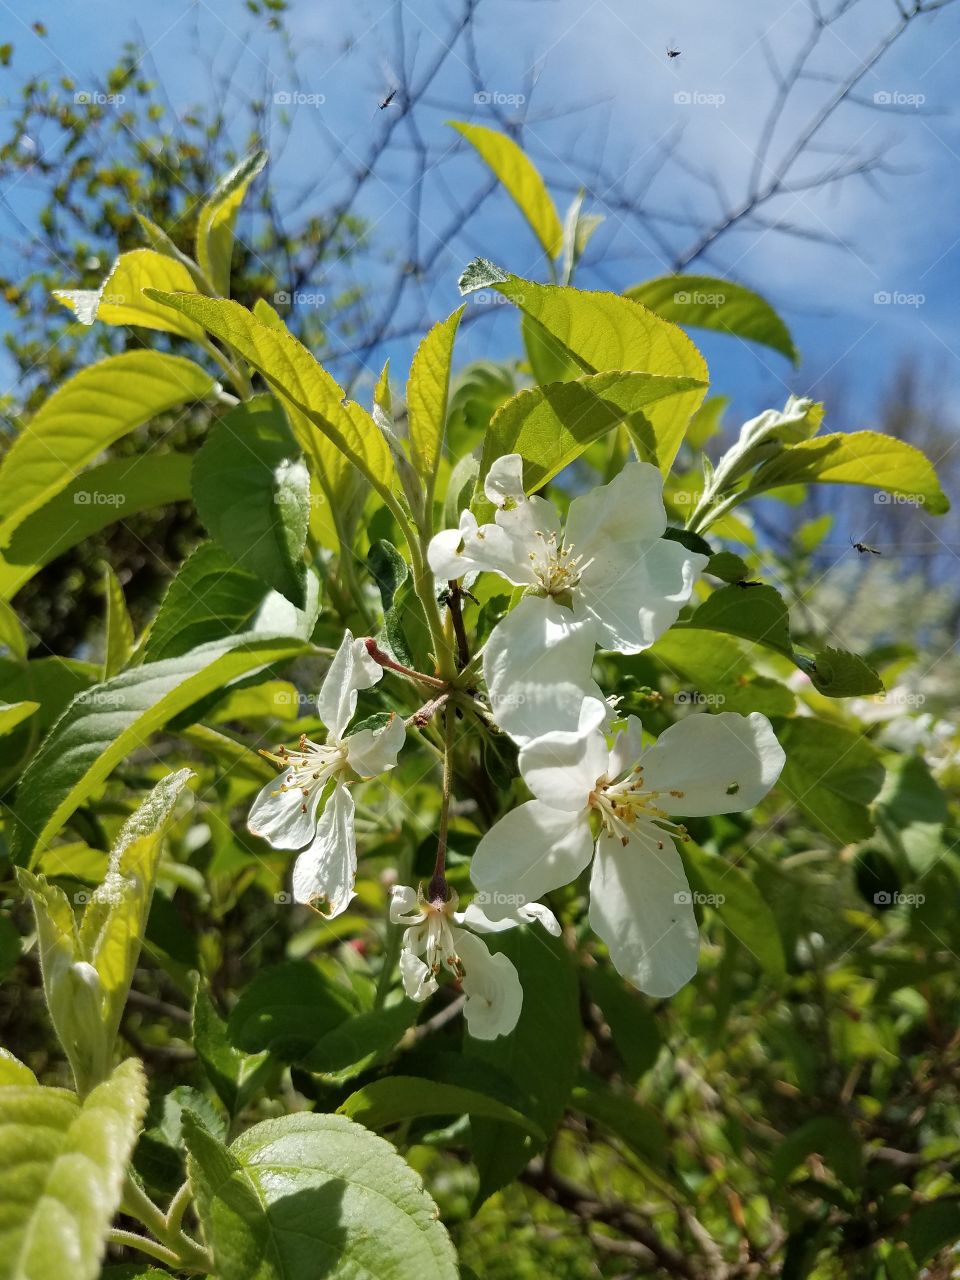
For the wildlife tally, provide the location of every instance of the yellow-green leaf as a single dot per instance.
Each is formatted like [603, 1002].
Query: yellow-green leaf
[428, 390]
[14, 713]
[858, 457]
[118, 642]
[217, 219]
[95, 408]
[290, 368]
[605, 331]
[705, 302]
[522, 180]
[120, 299]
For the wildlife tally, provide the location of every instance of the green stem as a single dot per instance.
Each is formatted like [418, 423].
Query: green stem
[131, 1240]
[178, 1206]
[188, 1254]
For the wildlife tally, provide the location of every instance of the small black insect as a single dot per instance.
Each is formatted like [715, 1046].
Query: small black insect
[672, 52]
[387, 100]
[744, 583]
[863, 548]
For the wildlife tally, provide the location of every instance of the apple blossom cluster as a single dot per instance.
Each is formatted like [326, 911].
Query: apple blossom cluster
[607, 579]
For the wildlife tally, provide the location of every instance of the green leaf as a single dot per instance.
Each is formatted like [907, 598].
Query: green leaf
[287, 1009]
[605, 332]
[911, 811]
[233, 1074]
[715, 666]
[858, 457]
[638, 1126]
[753, 613]
[118, 641]
[740, 906]
[831, 1138]
[12, 634]
[115, 919]
[91, 411]
[13, 1071]
[121, 300]
[635, 1032]
[103, 725]
[309, 1195]
[708, 303]
[217, 219]
[395, 1098]
[359, 1042]
[14, 713]
[253, 497]
[551, 426]
[832, 775]
[428, 391]
[290, 368]
[932, 1227]
[839, 674]
[108, 492]
[541, 1055]
[522, 180]
[62, 1169]
[728, 567]
[210, 598]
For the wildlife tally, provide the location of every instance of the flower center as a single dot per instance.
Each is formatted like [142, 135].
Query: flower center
[439, 950]
[621, 804]
[555, 567]
[312, 765]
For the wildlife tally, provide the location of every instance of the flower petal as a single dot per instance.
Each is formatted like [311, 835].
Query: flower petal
[531, 850]
[532, 912]
[633, 593]
[633, 582]
[492, 987]
[352, 669]
[449, 551]
[561, 769]
[405, 905]
[326, 871]
[641, 906]
[286, 819]
[720, 763]
[537, 665]
[627, 748]
[374, 751]
[418, 982]
[504, 480]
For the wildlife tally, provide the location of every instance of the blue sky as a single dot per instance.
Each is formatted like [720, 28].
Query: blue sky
[600, 68]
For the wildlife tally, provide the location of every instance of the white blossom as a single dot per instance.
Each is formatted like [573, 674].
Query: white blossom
[438, 936]
[607, 578]
[287, 811]
[616, 806]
